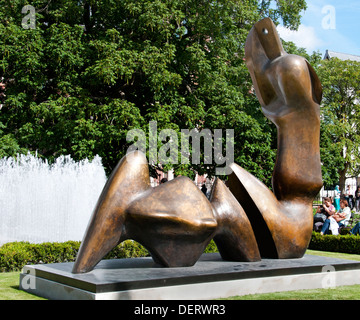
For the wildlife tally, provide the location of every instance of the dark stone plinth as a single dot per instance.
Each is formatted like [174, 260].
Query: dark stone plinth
[120, 275]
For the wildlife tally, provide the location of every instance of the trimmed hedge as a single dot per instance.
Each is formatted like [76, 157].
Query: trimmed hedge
[15, 255]
[340, 243]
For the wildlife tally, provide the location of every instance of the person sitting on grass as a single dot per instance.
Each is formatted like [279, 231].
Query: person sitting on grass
[338, 219]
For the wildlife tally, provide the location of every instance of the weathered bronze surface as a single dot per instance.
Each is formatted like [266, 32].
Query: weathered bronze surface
[234, 235]
[175, 221]
[129, 179]
[289, 92]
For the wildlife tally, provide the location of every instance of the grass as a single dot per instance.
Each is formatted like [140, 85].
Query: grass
[338, 293]
[9, 287]
[338, 255]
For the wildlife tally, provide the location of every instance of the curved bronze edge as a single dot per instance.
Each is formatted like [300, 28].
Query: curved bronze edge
[282, 228]
[289, 92]
[129, 179]
[234, 236]
[174, 221]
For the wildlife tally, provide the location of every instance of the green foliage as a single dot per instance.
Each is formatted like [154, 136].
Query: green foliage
[288, 10]
[340, 136]
[8, 144]
[127, 249]
[340, 243]
[92, 70]
[211, 247]
[15, 255]
[331, 157]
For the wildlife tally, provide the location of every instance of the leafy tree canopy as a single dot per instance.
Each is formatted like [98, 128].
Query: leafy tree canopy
[92, 70]
[340, 134]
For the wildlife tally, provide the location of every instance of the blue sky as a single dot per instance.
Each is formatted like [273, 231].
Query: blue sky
[328, 24]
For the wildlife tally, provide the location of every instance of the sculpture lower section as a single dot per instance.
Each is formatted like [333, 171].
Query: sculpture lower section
[247, 221]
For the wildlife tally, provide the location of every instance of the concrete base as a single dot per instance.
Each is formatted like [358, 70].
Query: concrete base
[210, 278]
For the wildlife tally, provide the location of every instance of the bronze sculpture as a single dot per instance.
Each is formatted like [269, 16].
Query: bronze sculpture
[234, 236]
[175, 221]
[289, 92]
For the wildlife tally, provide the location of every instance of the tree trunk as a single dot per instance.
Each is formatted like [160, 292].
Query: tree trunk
[342, 177]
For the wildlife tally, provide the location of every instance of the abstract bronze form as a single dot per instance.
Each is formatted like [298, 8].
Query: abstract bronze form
[175, 221]
[234, 236]
[289, 92]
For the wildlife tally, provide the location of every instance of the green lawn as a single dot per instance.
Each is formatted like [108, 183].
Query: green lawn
[338, 293]
[347, 256]
[9, 287]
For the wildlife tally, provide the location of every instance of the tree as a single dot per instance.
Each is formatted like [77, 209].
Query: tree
[341, 119]
[92, 70]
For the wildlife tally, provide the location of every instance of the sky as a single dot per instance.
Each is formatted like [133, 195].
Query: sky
[328, 24]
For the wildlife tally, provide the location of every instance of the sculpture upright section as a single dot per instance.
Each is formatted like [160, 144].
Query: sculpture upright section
[289, 92]
[175, 221]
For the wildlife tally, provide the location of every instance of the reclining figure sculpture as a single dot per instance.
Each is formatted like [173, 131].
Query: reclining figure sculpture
[247, 221]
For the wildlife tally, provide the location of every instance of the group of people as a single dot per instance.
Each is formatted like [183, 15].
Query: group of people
[331, 219]
[352, 199]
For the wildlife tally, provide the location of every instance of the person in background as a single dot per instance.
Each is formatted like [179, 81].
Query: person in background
[357, 199]
[337, 198]
[328, 207]
[341, 217]
[356, 229]
[328, 210]
[344, 215]
[347, 194]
